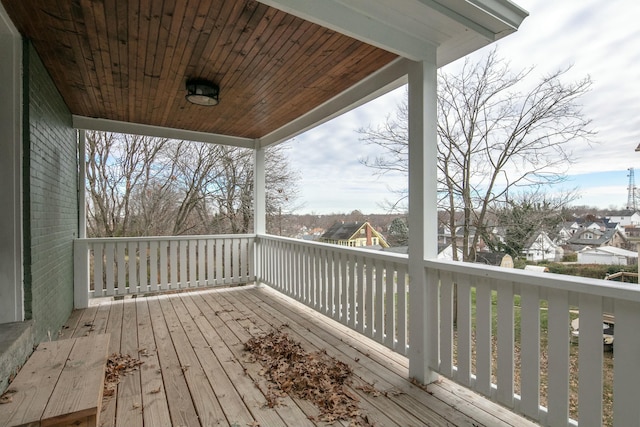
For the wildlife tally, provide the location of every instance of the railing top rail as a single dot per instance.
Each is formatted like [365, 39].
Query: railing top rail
[347, 250]
[171, 238]
[598, 287]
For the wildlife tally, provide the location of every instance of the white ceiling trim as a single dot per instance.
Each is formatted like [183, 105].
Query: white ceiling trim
[411, 28]
[506, 11]
[104, 125]
[383, 81]
[373, 30]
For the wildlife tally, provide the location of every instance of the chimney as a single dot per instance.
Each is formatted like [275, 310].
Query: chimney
[369, 242]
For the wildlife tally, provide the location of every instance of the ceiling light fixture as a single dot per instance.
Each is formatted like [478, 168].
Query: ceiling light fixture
[202, 92]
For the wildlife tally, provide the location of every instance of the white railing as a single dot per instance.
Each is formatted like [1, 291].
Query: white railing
[136, 265]
[365, 290]
[495, 304]
[511, 339]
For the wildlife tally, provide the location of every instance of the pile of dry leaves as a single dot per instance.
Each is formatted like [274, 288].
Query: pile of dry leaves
[316, 377]
[118, 365]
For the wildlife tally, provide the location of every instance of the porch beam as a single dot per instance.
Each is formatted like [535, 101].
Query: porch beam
[105, 125]
[379, 83]
[423, 154]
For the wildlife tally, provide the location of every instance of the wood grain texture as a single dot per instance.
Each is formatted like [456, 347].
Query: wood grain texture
[78, 392]
[196, 371]
[34, 384]
[129, 61]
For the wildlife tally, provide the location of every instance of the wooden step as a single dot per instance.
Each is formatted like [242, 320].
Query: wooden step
[60, 385]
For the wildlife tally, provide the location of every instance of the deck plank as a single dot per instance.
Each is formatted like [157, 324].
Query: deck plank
[377, 410]
[394, 374]
[181, 407]
[78, 392]
[85, 323]
[235, 337]
[366, 371]
[70, 325]
[230, 401]
[129, 406]
[154, 399]
[41, 371]
[205, 401]
[252, 396]
[101, 320]
[114, 328]
[207, 331]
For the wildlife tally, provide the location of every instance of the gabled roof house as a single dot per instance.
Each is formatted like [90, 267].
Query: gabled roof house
[354, 234]
[594, 238]
[625, 217]
[541, 247]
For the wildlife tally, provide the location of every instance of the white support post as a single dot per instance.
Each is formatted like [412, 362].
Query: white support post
[81, 274]
[423, 154]
[80, 248]
[82, 176]
[259, 205]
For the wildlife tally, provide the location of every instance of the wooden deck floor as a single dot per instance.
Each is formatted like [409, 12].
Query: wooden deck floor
[196, 372]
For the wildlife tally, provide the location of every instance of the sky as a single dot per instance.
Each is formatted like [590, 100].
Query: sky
[597, 38]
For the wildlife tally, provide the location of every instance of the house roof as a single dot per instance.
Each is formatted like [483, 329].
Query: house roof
[342, 230]
[625, 213]
[282, 65]
[612, 251]
[535, 238]
[600, 237]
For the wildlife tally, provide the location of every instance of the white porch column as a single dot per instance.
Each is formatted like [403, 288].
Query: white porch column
[423, 225]
[82, 176]
[259, 191]
[259, 206]
[81, 258]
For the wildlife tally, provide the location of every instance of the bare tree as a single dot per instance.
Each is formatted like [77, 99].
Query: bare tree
[116, 166]
[281, 195]
[149, 186]
[525, 215]
[498, 131]
[196, 175]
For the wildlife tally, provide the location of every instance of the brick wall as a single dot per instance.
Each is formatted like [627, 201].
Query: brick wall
[50, 200]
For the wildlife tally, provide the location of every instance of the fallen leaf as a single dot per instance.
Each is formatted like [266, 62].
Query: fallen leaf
[316, 377]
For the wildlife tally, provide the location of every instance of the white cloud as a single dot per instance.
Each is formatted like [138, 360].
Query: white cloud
[597, 38]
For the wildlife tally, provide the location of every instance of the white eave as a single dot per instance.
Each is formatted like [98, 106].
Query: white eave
[412, 28]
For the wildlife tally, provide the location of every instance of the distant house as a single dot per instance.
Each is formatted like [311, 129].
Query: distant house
[447, 253]
[568, 229]
[565, 231]
[354, 234]
[625, 218]
[607, 255]
[590, 238]
[445, 237]
[542, 248]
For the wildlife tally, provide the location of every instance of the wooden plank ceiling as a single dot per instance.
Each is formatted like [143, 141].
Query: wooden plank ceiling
[129, 60]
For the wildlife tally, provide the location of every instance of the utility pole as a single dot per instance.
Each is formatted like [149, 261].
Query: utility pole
[631, 192]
